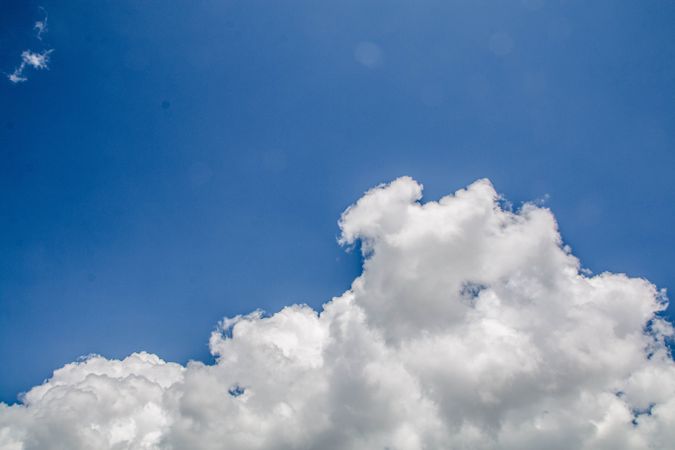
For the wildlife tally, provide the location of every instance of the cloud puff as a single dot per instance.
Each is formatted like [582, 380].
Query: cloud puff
[40, 26]
[30, 59]
[471, 327]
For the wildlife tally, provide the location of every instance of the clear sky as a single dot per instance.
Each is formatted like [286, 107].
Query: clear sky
[177, 162]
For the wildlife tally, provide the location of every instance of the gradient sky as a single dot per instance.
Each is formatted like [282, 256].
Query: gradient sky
[183, 161]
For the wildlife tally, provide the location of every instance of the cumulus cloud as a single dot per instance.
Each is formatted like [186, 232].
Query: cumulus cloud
[471, 327]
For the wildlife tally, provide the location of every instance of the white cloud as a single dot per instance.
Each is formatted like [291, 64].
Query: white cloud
[36, 60]
[471, 327]
[30, 59]
[40, 26]
[16, 77]
[501, 44]
[369, 55]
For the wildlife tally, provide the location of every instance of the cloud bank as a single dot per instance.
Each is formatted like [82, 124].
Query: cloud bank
[471, 327]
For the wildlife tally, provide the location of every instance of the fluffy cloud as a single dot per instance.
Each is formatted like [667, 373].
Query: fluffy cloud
[471, 327]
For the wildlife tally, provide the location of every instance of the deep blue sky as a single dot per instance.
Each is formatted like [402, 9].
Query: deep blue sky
[183, 161]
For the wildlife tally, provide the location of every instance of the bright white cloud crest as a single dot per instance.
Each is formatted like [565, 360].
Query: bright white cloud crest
[471, 327]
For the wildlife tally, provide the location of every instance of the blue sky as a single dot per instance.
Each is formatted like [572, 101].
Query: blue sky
[183, 161]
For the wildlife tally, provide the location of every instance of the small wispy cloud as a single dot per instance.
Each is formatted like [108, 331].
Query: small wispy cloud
[41, 25]
[31, 59]
[16, 77]
[36, 60]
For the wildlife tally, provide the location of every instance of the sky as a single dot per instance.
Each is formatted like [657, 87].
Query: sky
[166, 164]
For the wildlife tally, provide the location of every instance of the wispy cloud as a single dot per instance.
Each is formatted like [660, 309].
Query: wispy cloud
[30, 59]
[16, 77]
[41, 25]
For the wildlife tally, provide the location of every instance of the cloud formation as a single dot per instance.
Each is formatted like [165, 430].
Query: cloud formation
[31, 59]
[40, 26]
[471, 327]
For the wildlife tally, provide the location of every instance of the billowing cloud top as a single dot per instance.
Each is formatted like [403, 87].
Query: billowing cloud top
[471, 327]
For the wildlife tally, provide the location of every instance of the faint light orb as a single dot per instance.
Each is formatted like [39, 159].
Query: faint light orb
[200, 174]
[478, 87]
[559, 30]
[433, 95]
[369, 55]
[501, 44]
[532, 5]
[274, 160]
[534, 83]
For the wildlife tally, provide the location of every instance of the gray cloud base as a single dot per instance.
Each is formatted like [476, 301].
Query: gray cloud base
[471, 327]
